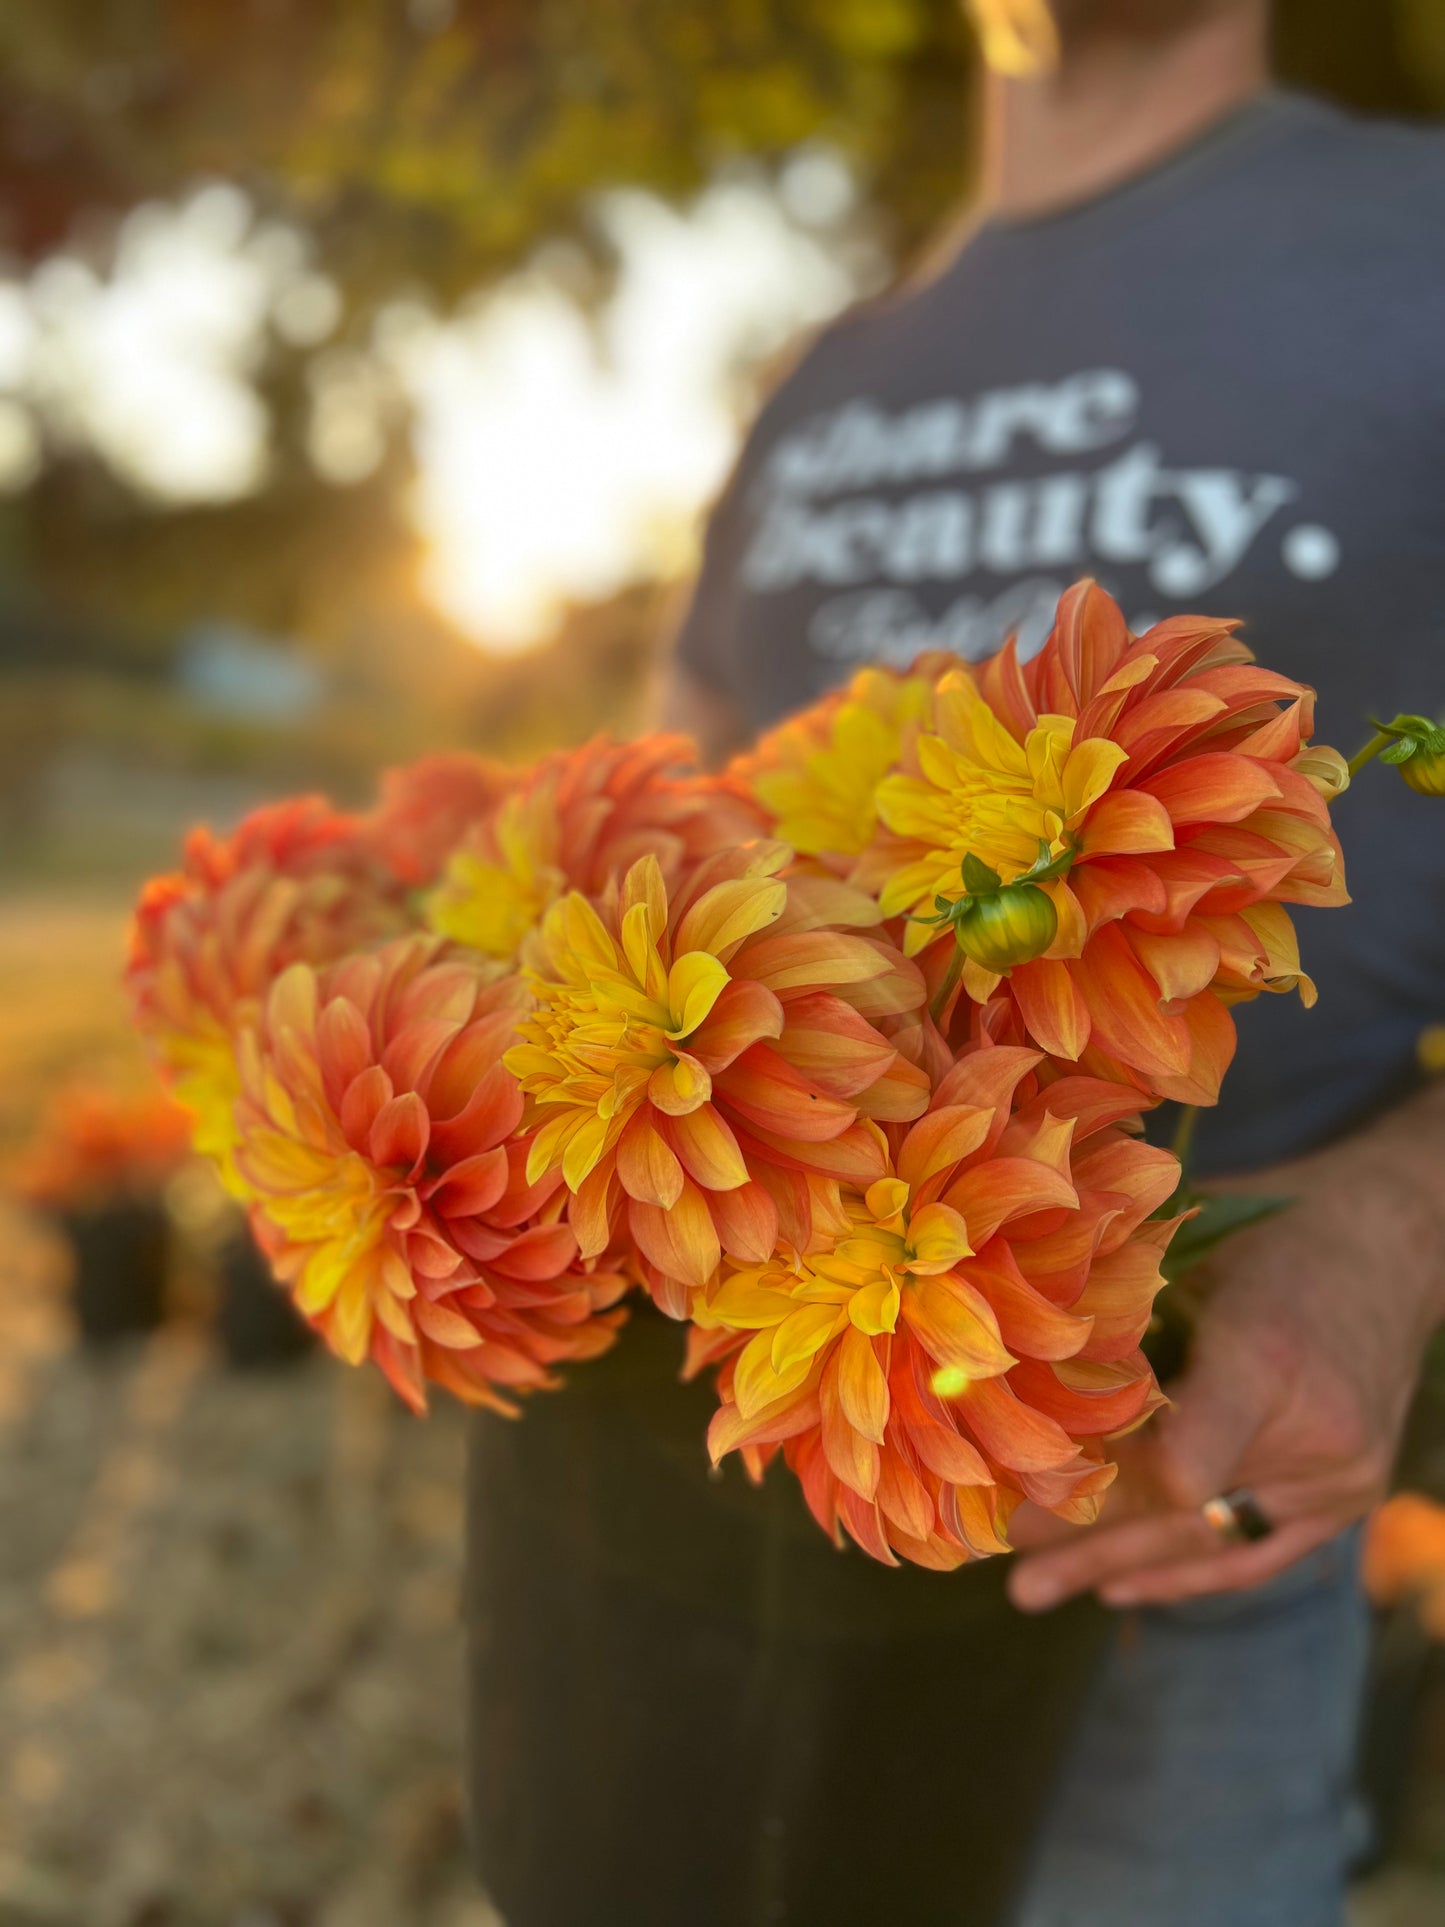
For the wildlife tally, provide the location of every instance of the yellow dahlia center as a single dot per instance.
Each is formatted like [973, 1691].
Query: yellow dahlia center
[979, 791]
[609, 1031]
[800, 1305]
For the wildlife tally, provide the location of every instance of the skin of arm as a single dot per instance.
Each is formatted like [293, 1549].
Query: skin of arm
[1301, 1374]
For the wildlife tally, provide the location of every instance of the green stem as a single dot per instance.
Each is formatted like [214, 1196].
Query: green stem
[1184, 1137]
[1381, 739]
[945, 990]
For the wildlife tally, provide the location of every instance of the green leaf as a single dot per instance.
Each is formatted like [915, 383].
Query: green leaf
[978, 878]
[1218, 1218]
[1400, 751]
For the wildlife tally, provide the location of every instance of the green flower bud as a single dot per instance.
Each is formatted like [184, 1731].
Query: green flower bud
[1012, 925]
[1425, 772]
[1417, 750]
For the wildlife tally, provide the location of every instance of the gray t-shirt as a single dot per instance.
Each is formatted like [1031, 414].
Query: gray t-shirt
[1219, 388]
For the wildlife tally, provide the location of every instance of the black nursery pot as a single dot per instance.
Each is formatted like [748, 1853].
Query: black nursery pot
[687, 1709]
[122, 1253]
[258, 1327]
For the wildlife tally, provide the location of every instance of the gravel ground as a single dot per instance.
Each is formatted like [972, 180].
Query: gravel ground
[229, 1647]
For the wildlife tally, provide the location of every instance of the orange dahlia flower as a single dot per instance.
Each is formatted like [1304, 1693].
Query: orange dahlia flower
[968, 1334]
[577, 821]
[1163, 789]
[703, 1065]
[298, 881]
[388, 1185]
[427, 807]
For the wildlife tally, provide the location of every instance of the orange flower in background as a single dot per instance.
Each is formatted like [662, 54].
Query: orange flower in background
[296, 881]
[427, 807]
[96, 1145]
[1405, 1557]
[388, 1185]
[1165, 786]
[966, 1335]
[578, 820]
[702, 1065]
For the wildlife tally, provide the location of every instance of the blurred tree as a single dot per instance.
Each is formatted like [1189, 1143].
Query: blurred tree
[433, 142]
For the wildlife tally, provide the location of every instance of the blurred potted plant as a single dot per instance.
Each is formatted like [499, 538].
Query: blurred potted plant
[99, 1165]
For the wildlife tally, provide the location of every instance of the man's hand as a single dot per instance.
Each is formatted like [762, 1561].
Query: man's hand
[1301, 1373]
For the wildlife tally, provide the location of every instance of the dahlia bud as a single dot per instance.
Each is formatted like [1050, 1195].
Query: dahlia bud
[1013, 925]
[1417, 750]
[998, 924]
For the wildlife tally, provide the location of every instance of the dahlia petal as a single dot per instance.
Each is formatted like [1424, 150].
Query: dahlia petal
[941, 1139]
[647, 1165]
[730, 913]
[747, 1222]
[1128, 823]
[682, 1242]
[343, 1046]
[366, 1097]
[991, 1194]
[704, 1143]
[861, 1518]
[1119, 1298]
[758, 1383]
[1181, 964]
[488, 1117]
[444, 1326]
[539, 1252]
[471, 1186]
[693, 986]
[956, 1326]
[729, 1430]
[862, 1386]
[744, 1014]
[1091, 1399]
[875, 1308]
[1029, 1323]
[1014, 1433]
[1090, 769]
[851, 1458]
[680, 1086]
[1217, 787]
[765, 1090]
[832, 1046]
[400, 1133]
[589, 1212]
[937, 1239]
[903, 1498]
[1123, 1002]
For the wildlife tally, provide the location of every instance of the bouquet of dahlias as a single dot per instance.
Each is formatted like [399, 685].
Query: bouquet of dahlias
[839, 1056]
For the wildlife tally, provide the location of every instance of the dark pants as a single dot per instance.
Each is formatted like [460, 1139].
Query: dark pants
[689, 1710]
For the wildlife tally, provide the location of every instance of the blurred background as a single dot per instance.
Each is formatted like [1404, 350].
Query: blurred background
[366, 368]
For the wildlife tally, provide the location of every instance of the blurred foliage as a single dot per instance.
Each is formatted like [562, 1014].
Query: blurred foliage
[433, 142]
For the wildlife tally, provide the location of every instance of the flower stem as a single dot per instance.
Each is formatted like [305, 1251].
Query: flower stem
[1184, 1137]
[1381, 739]
[939, 1002]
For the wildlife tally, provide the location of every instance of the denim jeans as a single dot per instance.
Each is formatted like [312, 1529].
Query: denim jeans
[1209, 1784]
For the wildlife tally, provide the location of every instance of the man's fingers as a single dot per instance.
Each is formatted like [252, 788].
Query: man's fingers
[1230, 1569]
[1104, 1553]
[1217, 1410]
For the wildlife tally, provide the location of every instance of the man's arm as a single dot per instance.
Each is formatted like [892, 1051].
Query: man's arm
[713, 721]
[1300, 1378]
